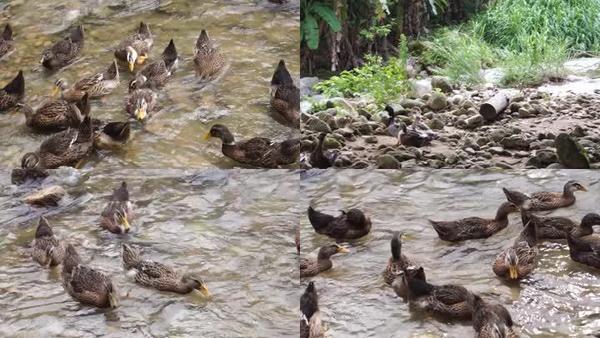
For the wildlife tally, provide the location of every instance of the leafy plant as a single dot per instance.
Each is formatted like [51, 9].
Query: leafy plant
[313, 13]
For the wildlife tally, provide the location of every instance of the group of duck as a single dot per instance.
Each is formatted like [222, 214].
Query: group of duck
[77, 134]
[93, 287]
[455, 302]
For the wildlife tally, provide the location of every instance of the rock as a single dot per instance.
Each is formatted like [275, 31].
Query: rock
[570, 153]
[481, 141]
[474, 122]
[442, 83]
[360, 165]
[436, 124]
[524, 113]
[47, 197]
[387, 161]
[578, 131]
[345, 107]
[362, 128]
[346, 132]
[514, 107]
[306, 85]
[410, 103]
[517, 142]
[437, 101]
[331, 143]
[371, 139]
[457, 99]
[498, 151]
[318, 126]
[497, 135]
[402, 156]
[394, 108]
[420, 87]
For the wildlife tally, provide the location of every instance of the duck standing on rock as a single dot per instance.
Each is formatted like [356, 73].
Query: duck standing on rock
[351, 224]
[64, 51]
[12, 93]
[519, 260]
[7, 43]
[398, 261]
[135, 49]
[208, 61]
[310, 323]
[47, 250]
[310, 267]
[285, 96]
[474, 227]
[541, 201]
[118, 213]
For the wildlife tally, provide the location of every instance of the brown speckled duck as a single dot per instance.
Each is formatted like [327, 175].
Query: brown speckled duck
[87, 285]
[491, 320]
[258, 151]
[450, 301]
[12, 93]
[553, 227]
[141, 102]
[312, 267]
[398, 261]
[285, 96]
[64, 51]
[47, 250]
[159, 276]
[159, 72]
[519, 260]
[474, 227]
[544, 200]
[585, 250]
[118, 213]
[310, 322]
[56, 114]
[135, 49]
[97, 85]
[208, 61]
[7, 43]
[350, 224]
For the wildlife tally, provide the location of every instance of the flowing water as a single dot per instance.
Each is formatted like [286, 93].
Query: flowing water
[560, 299]
[253, 35]
[234, 228]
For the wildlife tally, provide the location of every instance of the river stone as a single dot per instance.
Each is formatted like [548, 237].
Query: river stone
[524, 113]
[570, 153]
[387, 161]
[362, 128]
[437, 101]
[514, 107]
[331, 143]
[517, 142]
[436, 124]
[474, 121]
[442, 83]
[410, 103]
[578, 131]
[318, 126]
[47, 197]
[371, 139]
[345, 106]
[402, 156]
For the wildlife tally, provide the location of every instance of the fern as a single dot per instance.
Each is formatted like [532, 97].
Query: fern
[313, 13]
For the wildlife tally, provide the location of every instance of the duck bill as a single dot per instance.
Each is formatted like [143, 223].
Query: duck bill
[55, 91]
[513, 273]
[206, 136]
[204, 291]
[140, 114]
[583, 188]
[113, 301]
[343, 250]
[126, 224]
[131, 66]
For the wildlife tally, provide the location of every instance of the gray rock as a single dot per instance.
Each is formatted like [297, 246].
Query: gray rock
[402, 156]
[387, 161]
[442, 83]
[410, 103]
[474, 121]
[331, 143]
[371, 139]
[437, 101]
[436, 124]
[517, 142]
[570, 153]
[362, 128]
[524, 113]
[306, 85]
[318, 126]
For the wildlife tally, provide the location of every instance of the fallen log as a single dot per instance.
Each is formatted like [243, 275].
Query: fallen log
[494, 106]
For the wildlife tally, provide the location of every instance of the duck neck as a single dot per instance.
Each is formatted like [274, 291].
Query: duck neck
[419, 287]
[28, 111]
[502, 213]
[324, 263]
[568, 193]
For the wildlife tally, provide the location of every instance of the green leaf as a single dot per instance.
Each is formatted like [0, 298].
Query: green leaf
[328, 15]
[310, 28]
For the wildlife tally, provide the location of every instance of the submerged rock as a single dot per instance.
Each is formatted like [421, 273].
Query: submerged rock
[46, 197]
[570, 153]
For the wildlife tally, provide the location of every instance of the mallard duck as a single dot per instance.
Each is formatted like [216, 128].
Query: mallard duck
[259, 151]
[13, 92]
[585, 250]
[97, 85]
[208, 61]
[159, 276]
[285, 96]
[47, 249]
[312, 267]
[318, 158]
[141, 102]
[135, 48]
[64, 51]
[350, 224]
[112, 135]
[56, 114]
[474, 227]
[310, 322]
[158, 72]
[118, 213]
[398, 261]
[412, 137]
[85, 284]
[450, 301]
[557, 227]
[518, 261]
[67, 148]
[541, 201]
[491, 320]
[7, 44]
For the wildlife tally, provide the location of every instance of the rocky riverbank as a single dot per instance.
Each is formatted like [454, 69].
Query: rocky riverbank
[525, 135]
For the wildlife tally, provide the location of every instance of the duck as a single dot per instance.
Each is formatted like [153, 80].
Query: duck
[491, 320]
[13, 92]
[118, 213]
[64, 51]
[135, 48]
[258, 151]
[542, 201]
[97, 85]
[413, 137]
[56, 114]
[285, 96]
[450, 301]
[310, 322]
[398, 261]
[159, 72]
[585, 250]
[160, 276]
[141, 102]
[208, 61]
[20, 176]
[85, 284]
[351, 224]
[474, 227]
[311, 267]
[7, 44]
[554, 227]
[320, 159]
[67, 148]
[112, 135]
[47, 250]
[520, 259]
